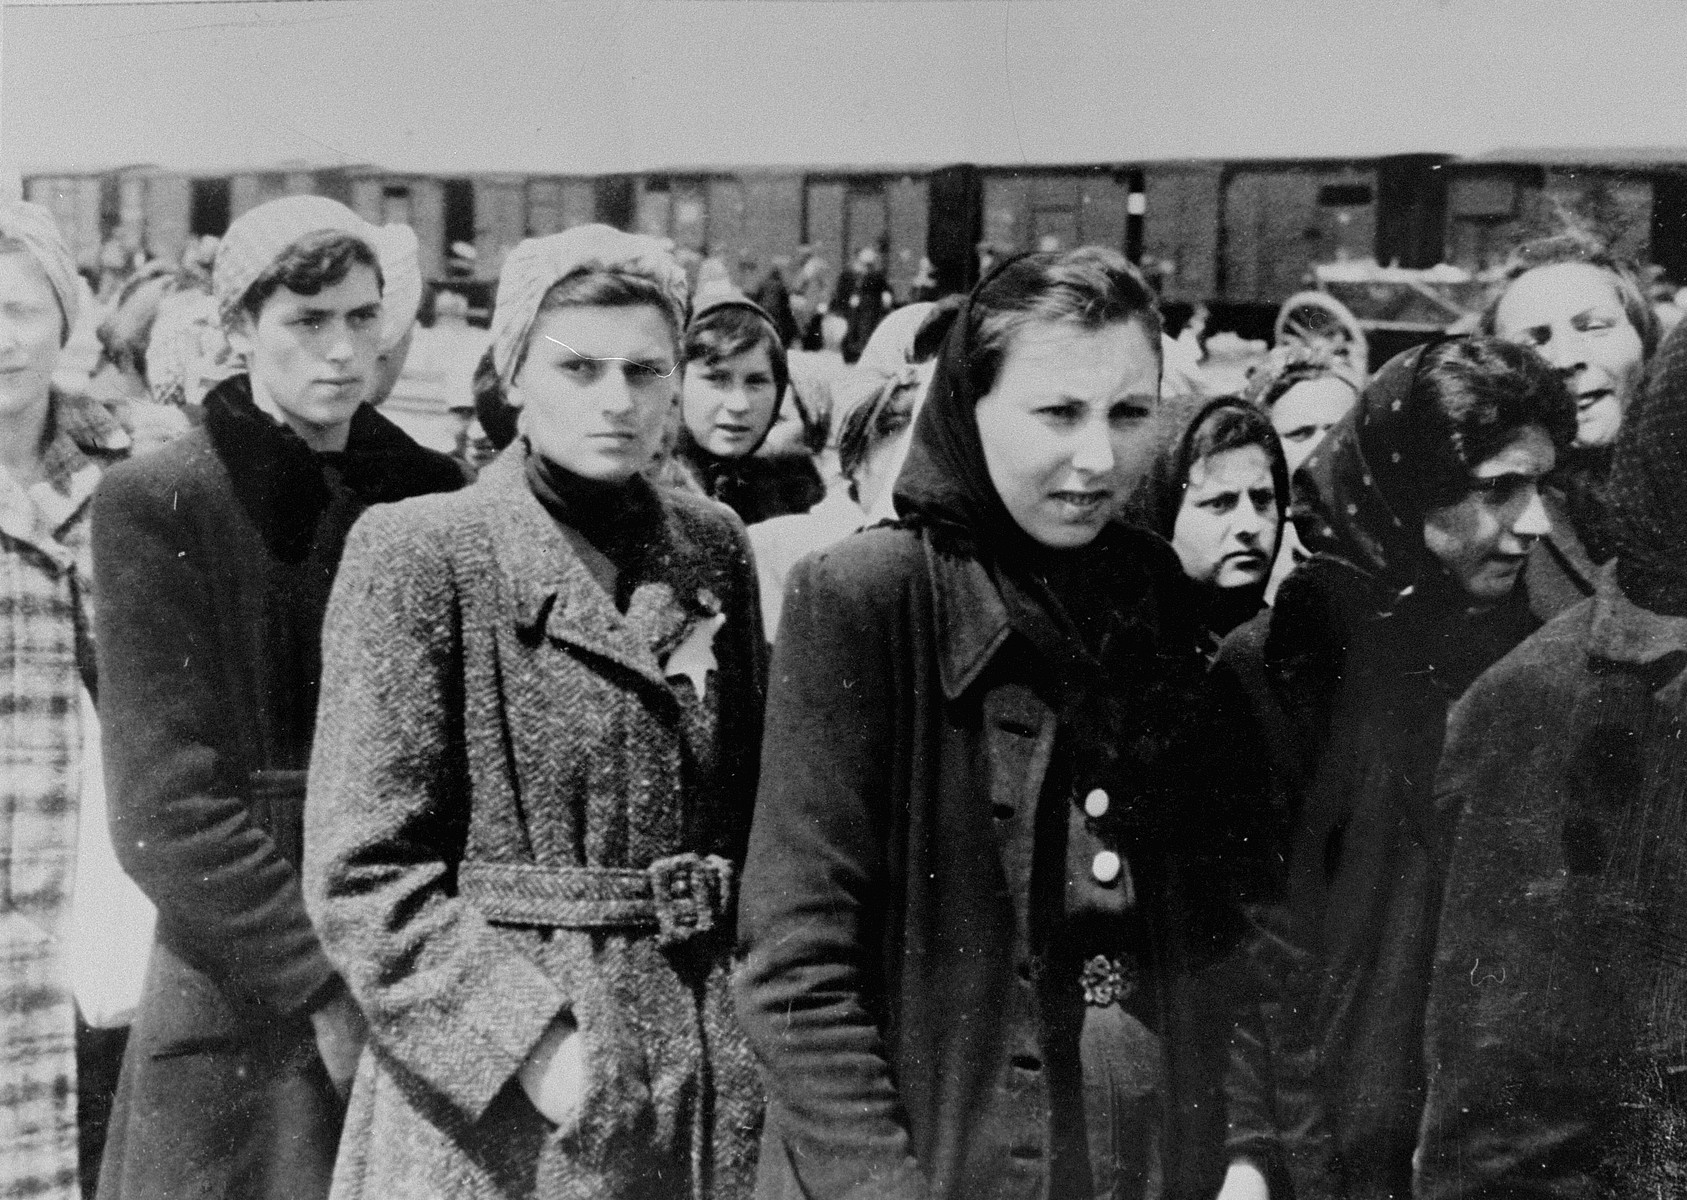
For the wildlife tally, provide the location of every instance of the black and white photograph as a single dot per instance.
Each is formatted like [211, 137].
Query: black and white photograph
[843, 600]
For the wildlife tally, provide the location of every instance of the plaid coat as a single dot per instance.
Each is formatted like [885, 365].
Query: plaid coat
[44, 623]
[484, 703]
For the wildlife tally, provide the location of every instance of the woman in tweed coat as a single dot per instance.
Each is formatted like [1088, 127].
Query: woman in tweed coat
[53, 450]
[532, 781]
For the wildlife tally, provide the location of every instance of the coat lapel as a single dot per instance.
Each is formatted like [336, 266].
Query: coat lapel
[550, 588]
[972, 621]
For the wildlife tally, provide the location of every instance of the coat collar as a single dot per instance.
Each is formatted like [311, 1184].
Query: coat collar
[972, 620]
[1623, 634]
[83, 436]
[552, 591]
[281, 481]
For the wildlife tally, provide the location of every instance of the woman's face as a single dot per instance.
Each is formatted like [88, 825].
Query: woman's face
[1067, 427]
[1571, 313]
[30, 324]
[1226, 530]
[596, 387]
[728, 404]
[1304, 414]
[1484, 539]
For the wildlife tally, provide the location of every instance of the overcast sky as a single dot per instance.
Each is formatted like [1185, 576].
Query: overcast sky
[532, 85]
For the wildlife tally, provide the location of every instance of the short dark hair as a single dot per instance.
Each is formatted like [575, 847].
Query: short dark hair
[1090, 287]
[729, 329]
[1471, 397]
[316, 261]
[1574, 246]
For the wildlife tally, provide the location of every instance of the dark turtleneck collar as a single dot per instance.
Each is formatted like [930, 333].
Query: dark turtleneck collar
[617, 522]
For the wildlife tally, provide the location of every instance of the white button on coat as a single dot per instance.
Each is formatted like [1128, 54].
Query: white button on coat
[1105, 866]
[1095, 804]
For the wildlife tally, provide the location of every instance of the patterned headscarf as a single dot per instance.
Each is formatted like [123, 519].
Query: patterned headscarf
[1647, 495]
[34, 226]
[534, 266]
[1358, 495]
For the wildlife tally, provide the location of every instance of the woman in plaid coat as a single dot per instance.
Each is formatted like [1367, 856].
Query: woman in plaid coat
[53, 450]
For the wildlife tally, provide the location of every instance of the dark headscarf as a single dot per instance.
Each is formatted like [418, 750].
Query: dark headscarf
[755, 486]
[1159, 499]
[1648, 486]
[1360, 500]
[1360, 496]
[1069, 603]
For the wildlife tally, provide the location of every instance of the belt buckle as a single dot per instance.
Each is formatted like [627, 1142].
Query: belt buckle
[689, 892]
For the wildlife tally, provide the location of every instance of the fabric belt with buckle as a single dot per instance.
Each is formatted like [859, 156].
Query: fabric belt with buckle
[676, 897]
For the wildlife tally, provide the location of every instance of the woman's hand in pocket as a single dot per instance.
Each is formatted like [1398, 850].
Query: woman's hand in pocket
[555, 1075]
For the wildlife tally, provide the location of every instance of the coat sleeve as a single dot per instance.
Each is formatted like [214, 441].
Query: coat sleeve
[179, 824]
[457, 1003]
[812, 909]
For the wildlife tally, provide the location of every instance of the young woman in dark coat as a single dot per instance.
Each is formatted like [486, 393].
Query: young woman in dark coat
[533, 778]
[985, 867]
[1420, 509]
[1555, 1040]
[213, 558]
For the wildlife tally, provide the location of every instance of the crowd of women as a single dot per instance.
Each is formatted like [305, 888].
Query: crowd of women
[1004, 781]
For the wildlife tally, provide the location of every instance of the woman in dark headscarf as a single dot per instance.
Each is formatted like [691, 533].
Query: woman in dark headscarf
[1218, 493]
[736, 381]
[984, 859]
[1420, 508]
[1555, 1037]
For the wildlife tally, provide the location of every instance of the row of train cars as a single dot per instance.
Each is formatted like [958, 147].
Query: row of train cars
[1238, 235]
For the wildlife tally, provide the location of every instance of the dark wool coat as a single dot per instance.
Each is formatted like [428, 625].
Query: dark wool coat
[911, 1044]
[485, 703]
[213, 559]
[1353, 704]
[1556, 1036]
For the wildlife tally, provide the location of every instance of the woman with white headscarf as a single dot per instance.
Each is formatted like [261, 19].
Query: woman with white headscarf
[536, 757]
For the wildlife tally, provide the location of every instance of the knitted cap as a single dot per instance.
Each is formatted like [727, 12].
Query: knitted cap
[537, 263]
[34, 226]
[259, 237]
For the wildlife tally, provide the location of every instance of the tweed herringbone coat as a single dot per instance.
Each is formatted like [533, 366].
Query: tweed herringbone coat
[45, 578]
[486, 703]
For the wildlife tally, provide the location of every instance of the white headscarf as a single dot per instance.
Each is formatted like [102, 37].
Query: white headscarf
[537, 263]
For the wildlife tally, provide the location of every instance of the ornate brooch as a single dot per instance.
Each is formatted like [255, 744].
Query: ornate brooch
[1109, 980]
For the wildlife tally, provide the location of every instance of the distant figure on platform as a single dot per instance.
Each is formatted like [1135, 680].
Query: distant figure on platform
[774, 296]
[863, 297]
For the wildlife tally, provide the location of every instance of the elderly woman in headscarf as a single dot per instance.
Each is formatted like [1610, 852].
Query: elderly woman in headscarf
[1420, 509]
[54, 448]
[1555, 1040]
[1585, 310]
[213, 558]
[1218, 492]
[987, 856]
[532, 783]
